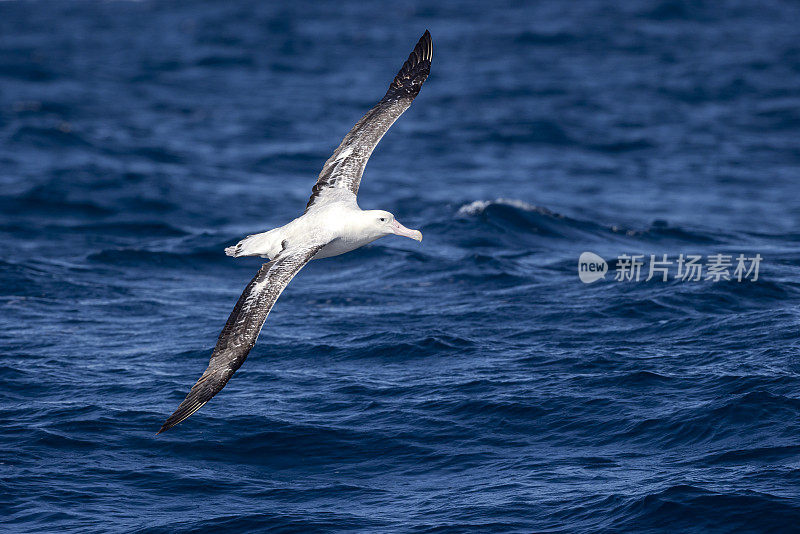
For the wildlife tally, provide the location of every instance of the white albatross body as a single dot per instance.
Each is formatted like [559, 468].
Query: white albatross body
[340, 223]
[331, 224]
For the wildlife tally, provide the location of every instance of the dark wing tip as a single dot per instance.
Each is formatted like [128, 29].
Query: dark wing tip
[183, 412]
[187, 408]
[415, 70]
[202, 392]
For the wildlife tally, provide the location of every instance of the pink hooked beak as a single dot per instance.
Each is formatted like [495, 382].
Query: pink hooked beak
[399, 229]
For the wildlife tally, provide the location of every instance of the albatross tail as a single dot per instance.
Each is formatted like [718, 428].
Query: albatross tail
[265, 244]
[234, 250]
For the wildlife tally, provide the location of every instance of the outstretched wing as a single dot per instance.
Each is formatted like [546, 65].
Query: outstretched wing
[242, 329]
[345, 167]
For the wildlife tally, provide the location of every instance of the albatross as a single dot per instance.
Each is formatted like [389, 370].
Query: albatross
[331, 224]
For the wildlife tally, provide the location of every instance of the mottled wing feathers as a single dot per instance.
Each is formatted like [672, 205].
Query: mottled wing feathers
[242, 329]
[345, 167]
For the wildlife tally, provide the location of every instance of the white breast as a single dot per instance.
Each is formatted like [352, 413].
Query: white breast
[340, 245]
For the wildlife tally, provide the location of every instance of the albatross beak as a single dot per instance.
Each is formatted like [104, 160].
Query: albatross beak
[399, 229]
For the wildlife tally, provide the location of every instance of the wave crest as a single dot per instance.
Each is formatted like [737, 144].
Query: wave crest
[478, 206]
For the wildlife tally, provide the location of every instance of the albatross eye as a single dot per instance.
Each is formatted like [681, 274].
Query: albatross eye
[382, 219]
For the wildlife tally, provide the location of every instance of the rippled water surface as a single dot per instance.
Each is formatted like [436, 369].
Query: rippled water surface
[468, 384]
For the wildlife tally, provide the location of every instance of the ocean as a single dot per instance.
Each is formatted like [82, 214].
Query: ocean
[481, 381]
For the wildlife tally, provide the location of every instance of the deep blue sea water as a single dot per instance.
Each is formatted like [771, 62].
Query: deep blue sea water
[468, 384]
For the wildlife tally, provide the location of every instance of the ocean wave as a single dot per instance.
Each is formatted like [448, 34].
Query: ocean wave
[479, 206]
[163, 258]
[713, 422]
[529, 219]
[685, 507]
[49, 203]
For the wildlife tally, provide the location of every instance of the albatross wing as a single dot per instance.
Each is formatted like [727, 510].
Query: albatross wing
[242, 329]
[345, 167]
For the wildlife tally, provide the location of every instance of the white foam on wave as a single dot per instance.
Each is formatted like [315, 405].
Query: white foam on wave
[476, 207]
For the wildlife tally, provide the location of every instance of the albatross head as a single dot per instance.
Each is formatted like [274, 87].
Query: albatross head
[383, 223]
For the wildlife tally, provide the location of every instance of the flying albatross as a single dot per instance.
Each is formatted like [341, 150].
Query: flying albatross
[331, 224]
